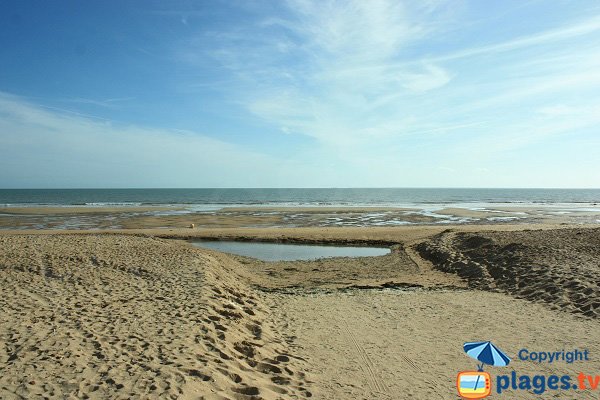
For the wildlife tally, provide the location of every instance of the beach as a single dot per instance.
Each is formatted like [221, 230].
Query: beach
[299, 199]
[141, 313]
[252, 216]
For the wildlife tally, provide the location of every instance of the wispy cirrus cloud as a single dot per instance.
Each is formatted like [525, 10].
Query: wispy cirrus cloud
[107, 103]
[580, 28]
[322, 70]
[354, 76]
[355, 93]
[347, 73]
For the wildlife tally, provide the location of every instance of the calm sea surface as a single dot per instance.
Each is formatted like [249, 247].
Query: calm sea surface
[293, 197]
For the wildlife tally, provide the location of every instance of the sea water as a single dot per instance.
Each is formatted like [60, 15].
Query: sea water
[572, 205]
[395, 197]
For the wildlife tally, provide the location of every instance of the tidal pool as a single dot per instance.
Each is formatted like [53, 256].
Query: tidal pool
[288, 252]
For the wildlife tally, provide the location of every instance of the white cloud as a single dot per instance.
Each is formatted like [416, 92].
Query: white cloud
[431, 78]
[390, 86]
[580, 28]
[558, 110]
[324, 71]
[373, 85]
[48, 148]
[354, 31]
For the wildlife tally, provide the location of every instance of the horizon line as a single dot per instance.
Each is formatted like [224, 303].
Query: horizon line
[304, 188]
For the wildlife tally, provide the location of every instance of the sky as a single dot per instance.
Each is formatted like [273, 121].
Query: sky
[378, 93]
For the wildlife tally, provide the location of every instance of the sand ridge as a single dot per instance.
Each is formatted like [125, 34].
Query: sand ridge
[126, 317]
[559, 268]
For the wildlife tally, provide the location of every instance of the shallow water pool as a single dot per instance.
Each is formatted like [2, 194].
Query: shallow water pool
[289, 252]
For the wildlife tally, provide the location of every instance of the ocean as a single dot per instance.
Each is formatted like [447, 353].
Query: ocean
[287, 207]
[214, 198]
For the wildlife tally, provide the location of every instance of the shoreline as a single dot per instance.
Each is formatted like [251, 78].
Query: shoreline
[102, 218]
[316, 235]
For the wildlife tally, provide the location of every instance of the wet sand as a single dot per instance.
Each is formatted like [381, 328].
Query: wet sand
[74, 210]
[293, 217]
[143, 314]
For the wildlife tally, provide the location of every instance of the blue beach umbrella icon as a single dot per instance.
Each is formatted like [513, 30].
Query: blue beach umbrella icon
[486, 353]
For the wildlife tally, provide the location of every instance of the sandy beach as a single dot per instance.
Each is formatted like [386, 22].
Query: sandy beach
[143, 314]
[299, 199]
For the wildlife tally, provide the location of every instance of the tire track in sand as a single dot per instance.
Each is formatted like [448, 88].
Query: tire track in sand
[366, 364]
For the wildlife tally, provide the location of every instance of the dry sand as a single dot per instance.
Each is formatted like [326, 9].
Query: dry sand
[558, 267]
[129, 314]
[128, 317]
[408, 344]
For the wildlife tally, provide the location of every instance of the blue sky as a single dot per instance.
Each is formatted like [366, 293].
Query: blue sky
[296, 93]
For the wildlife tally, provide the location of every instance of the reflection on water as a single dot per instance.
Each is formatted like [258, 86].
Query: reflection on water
[288, 252]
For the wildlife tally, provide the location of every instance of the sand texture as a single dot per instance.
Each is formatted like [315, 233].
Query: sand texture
[141, 314]
[395, 270]
[408, 344]
[560, 268]
[128, 317]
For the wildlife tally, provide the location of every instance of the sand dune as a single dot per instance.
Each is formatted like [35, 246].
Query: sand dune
[128, 317]
[560, 267]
